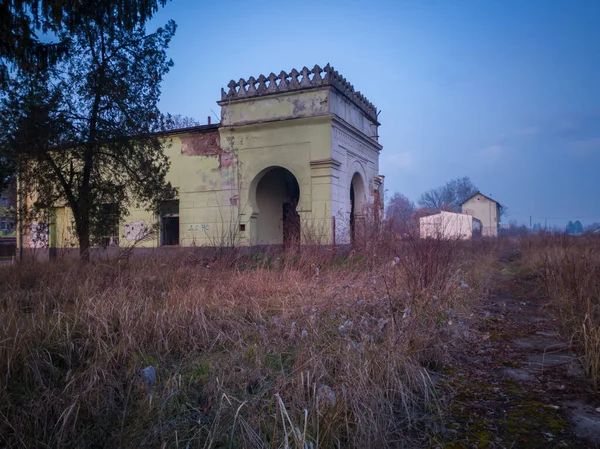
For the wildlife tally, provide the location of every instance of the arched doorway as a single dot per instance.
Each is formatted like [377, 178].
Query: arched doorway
[357, 203]
[276, 198]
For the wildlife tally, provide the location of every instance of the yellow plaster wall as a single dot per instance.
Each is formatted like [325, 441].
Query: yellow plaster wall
[291, 144]
[276, 107]
[56, 224]
[202, 187]
[215, 190]
[484, 210]
[62, 234]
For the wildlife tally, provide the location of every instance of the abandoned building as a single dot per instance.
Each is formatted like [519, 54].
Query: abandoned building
[446, 225]
[295, 154]
[485, 209]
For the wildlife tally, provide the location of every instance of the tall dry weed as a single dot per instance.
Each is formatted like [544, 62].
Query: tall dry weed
[569, 270]
[303, 349]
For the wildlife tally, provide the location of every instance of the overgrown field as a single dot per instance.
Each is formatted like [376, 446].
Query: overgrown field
[299, 350]
[568, 269]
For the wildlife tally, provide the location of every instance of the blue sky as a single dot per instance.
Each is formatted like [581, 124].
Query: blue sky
[505, 92]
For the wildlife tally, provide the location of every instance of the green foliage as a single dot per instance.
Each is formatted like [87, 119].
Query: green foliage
[575, 228]
[21, 20]
[83, 132]
[198, 373]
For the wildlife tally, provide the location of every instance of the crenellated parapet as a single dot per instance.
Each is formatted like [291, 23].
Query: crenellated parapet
[296, 81]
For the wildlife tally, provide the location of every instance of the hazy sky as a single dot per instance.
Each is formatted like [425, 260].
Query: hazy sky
[506, 92]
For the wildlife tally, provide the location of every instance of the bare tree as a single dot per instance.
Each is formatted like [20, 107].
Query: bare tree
[449, 196]
[179, 121]
[503, 210]
[399, 211]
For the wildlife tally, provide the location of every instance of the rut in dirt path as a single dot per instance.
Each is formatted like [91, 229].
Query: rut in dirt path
[520, 386]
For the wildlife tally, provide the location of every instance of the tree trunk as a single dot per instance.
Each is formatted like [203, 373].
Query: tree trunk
[82, 227]
[84, 243]
[85, 203]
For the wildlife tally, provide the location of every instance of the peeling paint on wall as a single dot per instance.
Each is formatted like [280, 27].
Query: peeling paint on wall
[294, 105]
[201, 144]
[302, 105]
[225, 160]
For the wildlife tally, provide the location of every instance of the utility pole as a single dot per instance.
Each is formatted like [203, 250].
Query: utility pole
[530, 222]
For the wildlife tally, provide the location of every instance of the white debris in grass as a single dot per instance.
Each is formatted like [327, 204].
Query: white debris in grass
[148, 375]
[326, 399]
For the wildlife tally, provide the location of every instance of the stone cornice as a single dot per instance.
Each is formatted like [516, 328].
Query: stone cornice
[296, 81]
[322, 118]
[325, 163]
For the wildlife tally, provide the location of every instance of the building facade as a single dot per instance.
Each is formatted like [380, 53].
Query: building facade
[449, 226]
[295, 156]
[486, 210]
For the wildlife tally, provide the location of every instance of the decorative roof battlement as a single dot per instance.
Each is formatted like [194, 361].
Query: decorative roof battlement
[295, 81]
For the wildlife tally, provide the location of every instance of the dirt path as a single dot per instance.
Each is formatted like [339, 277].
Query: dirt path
[520, 386]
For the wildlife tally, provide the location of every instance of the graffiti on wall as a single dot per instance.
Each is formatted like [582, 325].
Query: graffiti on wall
[38, 235]
[135, 231]
[198, 227]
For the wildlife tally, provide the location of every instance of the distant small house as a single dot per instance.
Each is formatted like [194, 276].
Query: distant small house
[486, 210]
[449, 226]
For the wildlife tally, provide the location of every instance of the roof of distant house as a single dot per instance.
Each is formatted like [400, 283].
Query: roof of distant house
[447, 212]
[479, 193]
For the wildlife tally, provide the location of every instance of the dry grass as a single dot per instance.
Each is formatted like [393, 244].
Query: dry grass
[299, 350]
[569, 269]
